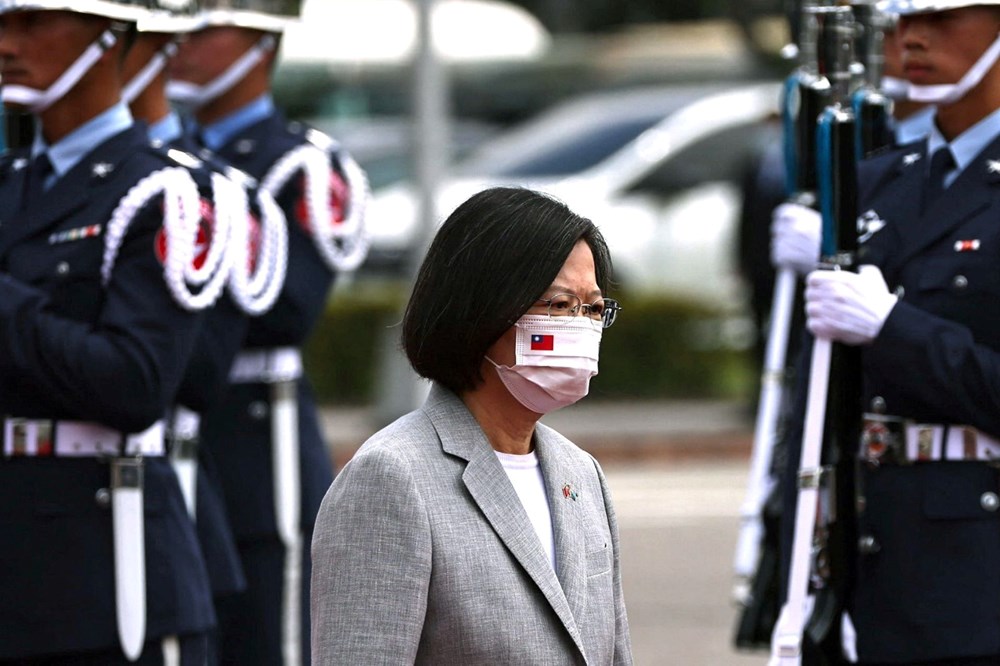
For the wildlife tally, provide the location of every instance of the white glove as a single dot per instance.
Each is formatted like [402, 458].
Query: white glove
[848, 307]
[795, 237]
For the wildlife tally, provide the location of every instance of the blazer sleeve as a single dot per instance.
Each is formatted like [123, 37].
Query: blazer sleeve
[371, 569]
[938, 368]
[623, 639]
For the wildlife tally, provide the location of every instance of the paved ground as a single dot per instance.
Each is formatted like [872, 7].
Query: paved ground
[677, 471]
[678, 522]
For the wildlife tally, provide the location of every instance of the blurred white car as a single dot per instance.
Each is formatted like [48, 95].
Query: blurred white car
[657, 169]
[345, 33]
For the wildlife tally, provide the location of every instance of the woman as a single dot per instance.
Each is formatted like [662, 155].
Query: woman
[466, 532]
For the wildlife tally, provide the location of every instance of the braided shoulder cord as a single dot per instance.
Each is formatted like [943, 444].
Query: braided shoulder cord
[355, 246]
[256, 288]
[181, 216]
[343, 245]
[212, 275]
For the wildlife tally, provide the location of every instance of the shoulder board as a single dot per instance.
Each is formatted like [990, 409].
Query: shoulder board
[320, 140]
[240, 177]
[184, 159]
[323, 141]
[174, 156]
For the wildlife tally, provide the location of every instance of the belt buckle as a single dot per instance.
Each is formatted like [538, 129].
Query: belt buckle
[29, 437]
[881, 441]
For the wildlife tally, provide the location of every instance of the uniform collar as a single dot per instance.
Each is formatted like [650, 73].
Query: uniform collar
[218, 134]
[167, 130]
[915, 126]
[970, 143]
[68, 151]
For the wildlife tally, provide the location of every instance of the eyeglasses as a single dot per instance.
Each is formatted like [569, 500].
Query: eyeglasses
[604, 310]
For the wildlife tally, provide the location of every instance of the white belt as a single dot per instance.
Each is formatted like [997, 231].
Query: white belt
[81, 439]
[888, 439]
[184, 424]
[268, 366]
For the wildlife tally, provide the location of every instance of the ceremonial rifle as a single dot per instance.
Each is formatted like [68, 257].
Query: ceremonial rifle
[756, 562]
[872, 108]
[824, 545]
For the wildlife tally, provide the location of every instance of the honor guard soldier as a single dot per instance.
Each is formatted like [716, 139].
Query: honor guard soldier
[225, 324]
[265, 435]
[99, 309]
[925, 313]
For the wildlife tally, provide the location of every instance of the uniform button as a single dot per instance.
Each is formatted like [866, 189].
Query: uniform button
[245, 146]
[62, 268]
[878, 404]
[103, 498]
[257, 409]
[989, 501]
[960, 282]
[900, 291]
[867, 545]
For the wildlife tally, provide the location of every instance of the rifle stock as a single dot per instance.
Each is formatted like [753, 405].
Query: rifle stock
[757, 559]
[872, 108]
[810, 630]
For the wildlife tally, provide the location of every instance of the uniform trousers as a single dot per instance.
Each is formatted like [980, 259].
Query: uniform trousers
[244, 639]
[183, 650]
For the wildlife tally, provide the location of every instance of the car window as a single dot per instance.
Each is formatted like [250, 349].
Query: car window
[722, 156]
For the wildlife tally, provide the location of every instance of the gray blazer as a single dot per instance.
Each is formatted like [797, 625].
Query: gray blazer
[422, 553]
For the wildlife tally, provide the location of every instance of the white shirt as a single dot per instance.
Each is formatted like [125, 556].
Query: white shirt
[526, 476]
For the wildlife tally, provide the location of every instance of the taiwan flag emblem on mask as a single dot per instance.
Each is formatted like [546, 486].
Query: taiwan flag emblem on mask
[542, 342]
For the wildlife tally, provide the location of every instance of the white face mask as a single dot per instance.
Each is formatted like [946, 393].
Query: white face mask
[949, 93]
[555, 357]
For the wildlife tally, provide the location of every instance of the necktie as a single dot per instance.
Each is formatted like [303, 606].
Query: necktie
[39, 169]
[941, 163]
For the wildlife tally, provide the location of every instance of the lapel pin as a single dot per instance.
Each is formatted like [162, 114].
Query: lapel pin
[910, 159]
[967, 245]
[993, 166]
[569, 493]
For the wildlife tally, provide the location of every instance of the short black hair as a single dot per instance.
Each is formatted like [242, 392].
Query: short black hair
[490, 261]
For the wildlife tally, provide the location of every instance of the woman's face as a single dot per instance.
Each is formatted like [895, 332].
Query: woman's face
[577, 276]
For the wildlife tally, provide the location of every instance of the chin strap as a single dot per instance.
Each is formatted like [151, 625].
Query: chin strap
[949, 93]
[141, 81]
[37, 101]
[195, 96]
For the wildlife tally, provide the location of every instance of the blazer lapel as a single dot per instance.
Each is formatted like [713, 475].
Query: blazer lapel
[568, 533]
[491, 490]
